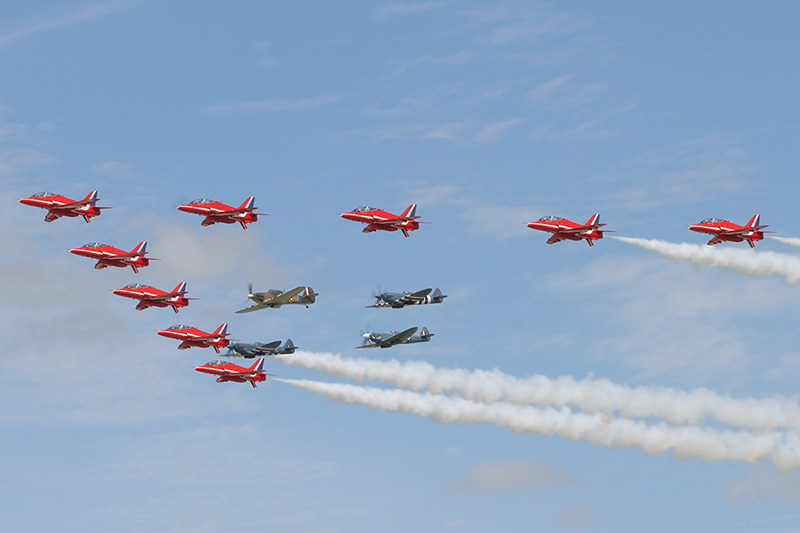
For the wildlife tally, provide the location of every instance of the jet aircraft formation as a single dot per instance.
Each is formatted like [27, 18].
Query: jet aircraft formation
[214, 212]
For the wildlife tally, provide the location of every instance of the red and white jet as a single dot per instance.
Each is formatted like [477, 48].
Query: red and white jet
[190, 336]
[723, 230]
[107, 255]
[218, 212]
[378, 219]
[231, 372]
[60, 206]
[149, 296]
[563, 229]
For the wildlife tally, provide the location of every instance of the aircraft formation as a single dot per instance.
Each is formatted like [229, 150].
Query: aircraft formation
[214, 212]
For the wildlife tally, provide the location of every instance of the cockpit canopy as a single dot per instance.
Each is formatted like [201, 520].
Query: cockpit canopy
[549, 218]
[364, 208]
[218, 362]
[136, 286]
[179, 327]
[201, 201]
[44, 194]
[711, 221]
[94, 245]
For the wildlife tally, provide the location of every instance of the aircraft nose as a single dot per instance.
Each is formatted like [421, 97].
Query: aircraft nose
[366, 335]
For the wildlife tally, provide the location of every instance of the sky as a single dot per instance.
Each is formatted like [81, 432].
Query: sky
[646, 383]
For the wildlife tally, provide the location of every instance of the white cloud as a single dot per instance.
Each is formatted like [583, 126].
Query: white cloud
[513, 475]
[84, 14]
[545, 90]
[495, 131]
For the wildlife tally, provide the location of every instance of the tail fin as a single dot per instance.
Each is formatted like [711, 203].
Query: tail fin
[288, 346]
[221, 331]
[593, 220]
[424, 333]
[248, 204]
[410, 212]
[437, 295]
[258, 366]
[755, 221]
[181, 288]
[140, 248]
[91, 197]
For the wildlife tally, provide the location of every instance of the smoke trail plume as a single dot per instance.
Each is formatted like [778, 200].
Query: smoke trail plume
[791, 241]
[709, 445]
[743, 262]
[591, 395]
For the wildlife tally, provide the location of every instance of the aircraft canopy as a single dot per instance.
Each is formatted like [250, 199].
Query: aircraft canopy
[364, 208]
[178, 327]
[94, 245]
[201, 201]
[711, 221]
[136, 286]
[549, 218]
[43, 194]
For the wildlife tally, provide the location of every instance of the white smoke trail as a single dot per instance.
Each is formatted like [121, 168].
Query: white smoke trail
[709, 445]
[742, 261]
[791, 241]
[592, 395]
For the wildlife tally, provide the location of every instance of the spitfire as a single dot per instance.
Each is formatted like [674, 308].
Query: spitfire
[107, 255]
[231, 372]
[563, 229]
[248, 351]
[387, 340]
[149, 296]
[193, 337]
[217, 212]
[276, 298]
[398, 300]
[60, 206]
[378, 219]
[723, 230]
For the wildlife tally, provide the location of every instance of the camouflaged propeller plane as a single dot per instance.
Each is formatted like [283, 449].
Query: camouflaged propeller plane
[258, 349]
[387, 340]
[276, 298]
[398, 300]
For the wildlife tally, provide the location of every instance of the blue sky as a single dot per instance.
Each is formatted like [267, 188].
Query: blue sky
[487, 115]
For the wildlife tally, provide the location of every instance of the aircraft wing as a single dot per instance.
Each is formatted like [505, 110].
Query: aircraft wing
[167, 296]
[75, 205]
[398, 338]
[254, 307]
[581, 229]
[284, 297]
[744, 231]
[412, 298]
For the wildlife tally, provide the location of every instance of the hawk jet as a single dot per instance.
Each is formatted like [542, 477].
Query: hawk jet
[60, 206]
[563, 229]
[231, 372]
[723, 230]
[217, 212]
[387, 340]
[277, 298]
[107, 255]
[378, 219]
[398, 300]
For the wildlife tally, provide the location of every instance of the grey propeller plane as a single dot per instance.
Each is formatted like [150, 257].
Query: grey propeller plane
[398, 300]
[277, 298]
[259, 349]
[387, 340]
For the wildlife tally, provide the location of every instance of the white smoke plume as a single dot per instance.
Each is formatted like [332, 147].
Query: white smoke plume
[709, 445]
[744, 262]
[791, 241]
[591, 395]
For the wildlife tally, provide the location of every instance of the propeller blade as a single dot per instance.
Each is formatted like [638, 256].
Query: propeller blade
[250, 288]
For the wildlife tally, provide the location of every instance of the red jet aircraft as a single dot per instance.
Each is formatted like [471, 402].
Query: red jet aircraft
[562, 229]
[218, 212]
[723, 230]
[378, 219]
[231, 372]
[195, 337]
[109, 256]
[60, 206]
[149, 296]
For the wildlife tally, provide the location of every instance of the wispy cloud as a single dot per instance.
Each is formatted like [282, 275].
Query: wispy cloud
[493, 132]
[513, 475]
[85, 14]
[270, 105]
[113, 169]
[546, 89]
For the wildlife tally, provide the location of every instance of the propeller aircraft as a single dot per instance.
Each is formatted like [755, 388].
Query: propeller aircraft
[191, 336]
[149, 296]
[563, 229]
[398, 300]
[276, 298]
[248, 351]
[387, 340]
[60, 206]
[723, 230]
[107, 255]
[231, 372]
[378, 219]
[217, 212]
